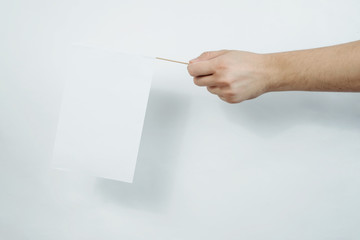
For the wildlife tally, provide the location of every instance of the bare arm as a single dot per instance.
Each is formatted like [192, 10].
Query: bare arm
[236, 76]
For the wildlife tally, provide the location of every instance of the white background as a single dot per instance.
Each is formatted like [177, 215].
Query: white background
[283, 166]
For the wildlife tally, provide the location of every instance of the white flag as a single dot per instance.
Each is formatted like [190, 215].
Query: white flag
[102, 113]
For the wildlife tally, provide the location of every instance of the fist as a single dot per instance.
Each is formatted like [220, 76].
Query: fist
[232, 75]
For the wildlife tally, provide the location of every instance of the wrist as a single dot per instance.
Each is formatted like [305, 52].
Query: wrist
[275, 68]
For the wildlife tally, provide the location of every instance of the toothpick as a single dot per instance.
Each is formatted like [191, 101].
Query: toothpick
[171, 60]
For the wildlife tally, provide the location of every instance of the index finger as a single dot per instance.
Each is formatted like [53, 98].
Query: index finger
[201, 68]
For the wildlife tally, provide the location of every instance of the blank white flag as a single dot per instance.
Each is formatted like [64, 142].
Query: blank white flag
[102, 112]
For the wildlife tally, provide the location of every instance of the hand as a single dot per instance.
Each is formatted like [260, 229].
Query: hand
[233, 75]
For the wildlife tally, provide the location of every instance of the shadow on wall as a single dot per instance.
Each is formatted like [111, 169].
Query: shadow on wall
[273, 113]
[156, 164]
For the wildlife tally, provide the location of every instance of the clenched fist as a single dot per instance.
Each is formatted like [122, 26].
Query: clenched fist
[236, 76]
[233, 75]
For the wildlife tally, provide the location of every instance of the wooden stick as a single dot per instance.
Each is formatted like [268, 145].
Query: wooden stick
[171, 60]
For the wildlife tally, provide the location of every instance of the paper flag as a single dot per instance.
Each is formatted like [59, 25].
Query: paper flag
[102, 112]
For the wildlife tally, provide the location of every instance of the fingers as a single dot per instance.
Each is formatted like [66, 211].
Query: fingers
[209, 80]
[222, 98]
[224, 94]
[214, 90]
[202, 68]
[208, 55]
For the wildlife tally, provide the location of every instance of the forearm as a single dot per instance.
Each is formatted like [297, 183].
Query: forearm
[334, 68]
[236, 76]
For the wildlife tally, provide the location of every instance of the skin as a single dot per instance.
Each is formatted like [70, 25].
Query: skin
[236, 76]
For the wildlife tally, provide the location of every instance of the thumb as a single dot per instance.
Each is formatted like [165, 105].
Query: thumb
[208, 55]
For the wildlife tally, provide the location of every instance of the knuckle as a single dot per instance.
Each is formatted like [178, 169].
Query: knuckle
[206, 54]
[221, 64]
[230, 97]
[226, 82]
[229, 81]
[231, 100]
[210, 91]
[197, 82]
[229, 94]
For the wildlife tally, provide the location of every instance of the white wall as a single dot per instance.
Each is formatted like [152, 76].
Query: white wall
[283, 166]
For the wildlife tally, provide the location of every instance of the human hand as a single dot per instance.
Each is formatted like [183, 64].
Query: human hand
[233, 75]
